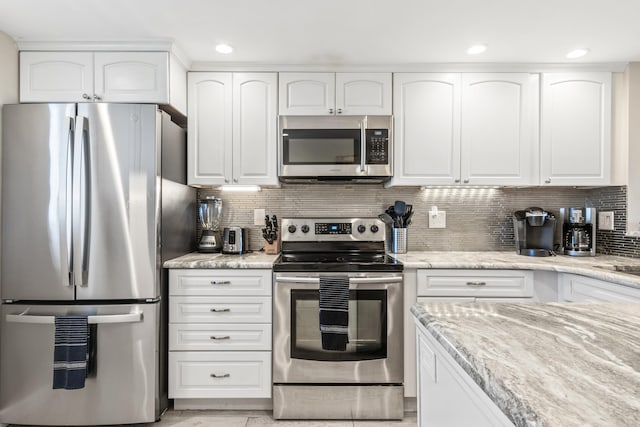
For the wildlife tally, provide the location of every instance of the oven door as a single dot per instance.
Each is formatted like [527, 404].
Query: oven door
[374, 353]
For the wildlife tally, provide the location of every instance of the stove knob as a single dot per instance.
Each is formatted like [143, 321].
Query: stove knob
[292, 228]
[374, 228]
[362, 228]
[305, 228]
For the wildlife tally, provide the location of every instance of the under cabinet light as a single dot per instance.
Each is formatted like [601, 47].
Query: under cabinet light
[245, 188]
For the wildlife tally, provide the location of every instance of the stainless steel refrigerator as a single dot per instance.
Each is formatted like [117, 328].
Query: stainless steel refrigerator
[93, 201]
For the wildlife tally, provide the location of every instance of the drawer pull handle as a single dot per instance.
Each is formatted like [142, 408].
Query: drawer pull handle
[476, 283]
[221, 282]
[226, 337]
[220, 310]
[220, 376]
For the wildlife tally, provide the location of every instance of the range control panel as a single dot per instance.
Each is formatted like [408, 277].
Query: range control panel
[332, 229]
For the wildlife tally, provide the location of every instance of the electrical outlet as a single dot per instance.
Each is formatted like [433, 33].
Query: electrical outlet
[438, 219]
[605, 220]
[258, 217]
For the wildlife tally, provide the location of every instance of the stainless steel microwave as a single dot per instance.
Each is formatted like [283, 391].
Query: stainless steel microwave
[335, 148]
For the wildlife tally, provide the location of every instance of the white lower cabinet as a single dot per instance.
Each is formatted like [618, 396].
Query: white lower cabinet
[471, 284]
[219, 334]
[447, 396]
[575, 288]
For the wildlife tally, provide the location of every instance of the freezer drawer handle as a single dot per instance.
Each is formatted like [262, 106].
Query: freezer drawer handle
[220, 376]
[220, 310]
[221, 282]
[226, 337]
[101, 319]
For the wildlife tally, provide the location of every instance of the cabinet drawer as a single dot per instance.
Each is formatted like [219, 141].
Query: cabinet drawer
[225, 374]
[220, 310]
[220, 282]
[577, 288]
[243, 336]
[475, 283]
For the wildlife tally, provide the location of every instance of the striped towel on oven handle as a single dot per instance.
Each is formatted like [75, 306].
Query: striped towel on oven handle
[334, 311]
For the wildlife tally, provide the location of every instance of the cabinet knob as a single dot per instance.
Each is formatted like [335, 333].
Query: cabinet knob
[226, 180]
[456, 180]
[235, 179]
[339, 110]
[96, 97]
[466, 181]
[85, 96]
[330, 110]
[547, 181]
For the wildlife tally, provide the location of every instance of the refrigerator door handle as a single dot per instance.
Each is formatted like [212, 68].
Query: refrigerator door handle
[69, 198]
[82, 201]
[98, 319]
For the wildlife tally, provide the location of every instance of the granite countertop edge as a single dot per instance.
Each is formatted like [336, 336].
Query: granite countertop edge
[599, 267]
[513, 408]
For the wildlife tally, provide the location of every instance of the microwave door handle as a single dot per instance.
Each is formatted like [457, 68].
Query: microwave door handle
[363, 125]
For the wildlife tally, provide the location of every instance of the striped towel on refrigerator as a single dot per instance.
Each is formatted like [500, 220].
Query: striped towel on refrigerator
[334, 312]
[70, 352]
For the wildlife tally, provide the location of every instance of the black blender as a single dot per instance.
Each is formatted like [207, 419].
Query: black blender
[210, 212]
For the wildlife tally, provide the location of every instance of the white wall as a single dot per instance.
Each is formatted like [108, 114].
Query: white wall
[633, 191]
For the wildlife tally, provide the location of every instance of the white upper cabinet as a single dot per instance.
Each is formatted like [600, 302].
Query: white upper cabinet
[426, 129]
[474, 129]
[575, 136]
[499, 142]
[232, 128]
[144, 77]
[327, 94]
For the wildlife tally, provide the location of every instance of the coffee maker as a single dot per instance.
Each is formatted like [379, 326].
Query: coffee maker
[534, 230]
[210, 212]
[578, 231]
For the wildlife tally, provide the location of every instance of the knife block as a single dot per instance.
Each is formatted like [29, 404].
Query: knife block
[272, 248]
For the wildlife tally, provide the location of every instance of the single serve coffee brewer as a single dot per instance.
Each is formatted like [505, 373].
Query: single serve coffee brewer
[534, 230]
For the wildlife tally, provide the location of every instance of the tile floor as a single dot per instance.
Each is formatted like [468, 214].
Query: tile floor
[262, 419]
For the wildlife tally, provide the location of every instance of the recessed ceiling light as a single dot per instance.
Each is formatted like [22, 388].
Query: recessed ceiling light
[479, 48]
[578, 53]
[224, 48]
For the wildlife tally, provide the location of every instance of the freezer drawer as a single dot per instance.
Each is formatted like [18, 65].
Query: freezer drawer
[124, 388]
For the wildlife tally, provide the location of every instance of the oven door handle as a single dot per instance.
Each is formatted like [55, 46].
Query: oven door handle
[354, 280]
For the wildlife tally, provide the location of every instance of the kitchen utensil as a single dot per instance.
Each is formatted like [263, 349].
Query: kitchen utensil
[386, 218]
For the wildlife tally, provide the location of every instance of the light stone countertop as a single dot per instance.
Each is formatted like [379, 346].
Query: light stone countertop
[219, 260]
[547, 364]
[599, 267]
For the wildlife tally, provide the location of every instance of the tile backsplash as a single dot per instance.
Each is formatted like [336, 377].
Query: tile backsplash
[477, 218]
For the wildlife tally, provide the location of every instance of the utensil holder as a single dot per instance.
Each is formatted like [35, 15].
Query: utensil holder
[272, 248]
[398, 241]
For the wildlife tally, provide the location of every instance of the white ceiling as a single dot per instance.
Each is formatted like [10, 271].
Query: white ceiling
[344, 32]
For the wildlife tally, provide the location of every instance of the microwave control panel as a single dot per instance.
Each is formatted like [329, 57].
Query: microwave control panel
[377, 146]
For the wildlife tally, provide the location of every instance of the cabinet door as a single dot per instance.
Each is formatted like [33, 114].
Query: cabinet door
[575, 138]
[209, 128]
[255, 128]
[363, 93]
[426, 129]
[56, 76]
[307, 94]
[132, 77]
[499, 142]
[577, 288]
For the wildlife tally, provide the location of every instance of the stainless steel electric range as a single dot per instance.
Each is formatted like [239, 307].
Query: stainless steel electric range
[363, 381]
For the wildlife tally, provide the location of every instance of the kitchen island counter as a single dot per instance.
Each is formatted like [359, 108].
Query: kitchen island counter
[602, 267]
[552, 364]
[219, 260]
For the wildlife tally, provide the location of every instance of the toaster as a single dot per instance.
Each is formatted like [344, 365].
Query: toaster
[234, 240]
